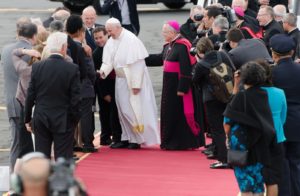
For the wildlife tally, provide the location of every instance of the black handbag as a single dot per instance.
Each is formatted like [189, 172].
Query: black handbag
[237, 157]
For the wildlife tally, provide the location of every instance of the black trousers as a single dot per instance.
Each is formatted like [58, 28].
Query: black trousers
[25, 139]
[109, 119]
[290, 183]
[214, 114]
[87, 122]
[63, 142]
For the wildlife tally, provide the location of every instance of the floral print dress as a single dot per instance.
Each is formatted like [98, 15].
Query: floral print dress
[250, 177]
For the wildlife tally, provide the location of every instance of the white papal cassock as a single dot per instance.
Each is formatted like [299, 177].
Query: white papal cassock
[137, 113]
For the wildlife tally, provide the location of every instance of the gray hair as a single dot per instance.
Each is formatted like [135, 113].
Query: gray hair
[221, 22]
[56, 41]
[56, 26]
[89, 9]
[61, 15]
[269, 10]
[279, 10]
[291, 19]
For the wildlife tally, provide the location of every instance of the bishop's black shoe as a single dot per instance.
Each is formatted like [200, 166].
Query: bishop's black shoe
[122, 144]
[134, 146]
[105, 142]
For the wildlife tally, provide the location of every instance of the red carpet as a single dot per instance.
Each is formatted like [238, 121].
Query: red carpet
[153, 172]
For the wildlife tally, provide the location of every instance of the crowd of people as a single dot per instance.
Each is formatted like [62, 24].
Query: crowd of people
[65, 65]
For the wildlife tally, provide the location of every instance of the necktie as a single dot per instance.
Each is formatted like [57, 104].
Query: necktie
[91, 31]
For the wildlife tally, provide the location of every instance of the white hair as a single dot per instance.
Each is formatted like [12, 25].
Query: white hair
[113, 21]
[89, 10]
[56, 41]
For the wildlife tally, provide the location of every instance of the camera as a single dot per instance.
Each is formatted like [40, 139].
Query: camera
[62, 181]
[229, 13]
[202, 33]
[193, 51]
[222, 45]
[198, 17]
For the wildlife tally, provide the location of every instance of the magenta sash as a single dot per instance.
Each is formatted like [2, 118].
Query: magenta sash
[188, 103]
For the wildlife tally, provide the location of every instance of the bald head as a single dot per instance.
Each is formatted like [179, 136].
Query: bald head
[35, 171]
[89, 16]
[239, 3]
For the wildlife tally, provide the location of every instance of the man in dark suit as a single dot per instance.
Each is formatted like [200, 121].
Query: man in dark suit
[270, 27]
[26, 35]
[125, 11]
[286, 76]
[76, 29]
[245, 50]
[105, 90]
[89, 19]
[290, 27]
[54, 89]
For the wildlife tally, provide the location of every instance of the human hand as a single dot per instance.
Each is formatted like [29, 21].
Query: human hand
[227, 142]
[180, 93]
[136, 91]
[31, 52]
[237, 80]
[264, 2]
[28, 126]
[87, 49]
[101, 73]
[107, 98]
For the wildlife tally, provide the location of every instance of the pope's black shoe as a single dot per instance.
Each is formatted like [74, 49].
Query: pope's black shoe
[134, 146]
[122, 144]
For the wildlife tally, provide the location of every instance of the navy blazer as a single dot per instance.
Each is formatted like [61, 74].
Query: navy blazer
[286, 76]
[89, 38]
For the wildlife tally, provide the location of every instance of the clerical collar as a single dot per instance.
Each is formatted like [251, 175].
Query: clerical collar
[266, 25]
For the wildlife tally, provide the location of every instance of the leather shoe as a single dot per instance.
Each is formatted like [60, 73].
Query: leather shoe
[123, 144]
[134, 146]
[207, 152]
[211, 156]
[89, 150]
[219, 165]
[105, 142]
[77, 149]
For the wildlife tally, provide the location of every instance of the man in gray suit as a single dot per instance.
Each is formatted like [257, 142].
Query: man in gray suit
[11, 79]
[245, 50]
